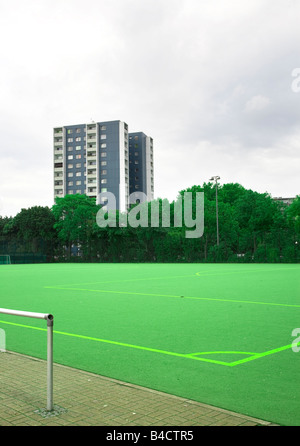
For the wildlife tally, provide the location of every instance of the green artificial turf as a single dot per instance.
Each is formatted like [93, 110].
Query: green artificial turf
[218, 334]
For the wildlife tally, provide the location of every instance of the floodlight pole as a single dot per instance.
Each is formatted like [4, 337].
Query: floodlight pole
[49, 319]
[216, 178]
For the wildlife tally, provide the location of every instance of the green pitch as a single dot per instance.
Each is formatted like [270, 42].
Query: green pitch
[217, 334]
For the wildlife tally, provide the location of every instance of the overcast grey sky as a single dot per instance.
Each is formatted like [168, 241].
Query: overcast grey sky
[210, 81]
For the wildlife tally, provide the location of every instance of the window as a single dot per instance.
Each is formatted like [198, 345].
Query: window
[78, 165]
[78, 139]
[103, 145]
[103, 137]
[136, 153]
[78, 130]
[103, 163]
[70, 174]
[78, 191]
[70, 139]
[70, 166]
[103, 155]
[103, 172]
[70, 148]
[70, 157]
[78, 147]
[69, 132]
[70, 183]
[78, 183]
[136, 162]
[104, 189]
[78, 157]
[78, 174]
[104, 181]
[103, 127]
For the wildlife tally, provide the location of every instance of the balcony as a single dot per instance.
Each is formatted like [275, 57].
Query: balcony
[91, 129]
[91, 156]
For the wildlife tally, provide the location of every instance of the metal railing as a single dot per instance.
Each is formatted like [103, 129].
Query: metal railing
[49, 318]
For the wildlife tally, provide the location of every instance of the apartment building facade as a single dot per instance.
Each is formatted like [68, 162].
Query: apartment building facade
[141, 167]
[95, 158]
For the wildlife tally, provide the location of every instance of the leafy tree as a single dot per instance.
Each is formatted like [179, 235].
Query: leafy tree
[35, 222]
[75, 221]
[293, 214]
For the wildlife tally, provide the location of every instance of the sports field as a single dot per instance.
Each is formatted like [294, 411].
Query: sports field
[220, 334]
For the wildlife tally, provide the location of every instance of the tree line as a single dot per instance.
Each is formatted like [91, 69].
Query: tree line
[252, 228]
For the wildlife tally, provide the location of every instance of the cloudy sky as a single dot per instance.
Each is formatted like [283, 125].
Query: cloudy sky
[215, 83]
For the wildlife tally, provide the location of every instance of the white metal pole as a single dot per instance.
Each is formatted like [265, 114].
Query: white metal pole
[49, 319]
[50, 363]
[24, 313]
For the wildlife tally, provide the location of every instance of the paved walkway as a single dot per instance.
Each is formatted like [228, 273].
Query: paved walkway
[86, 399]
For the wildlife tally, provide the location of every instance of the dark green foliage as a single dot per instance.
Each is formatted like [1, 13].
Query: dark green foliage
[252, 228]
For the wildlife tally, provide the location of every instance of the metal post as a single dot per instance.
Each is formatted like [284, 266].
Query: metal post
[216, 178]
[49, 319]
[50, 362]
[217, 212]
